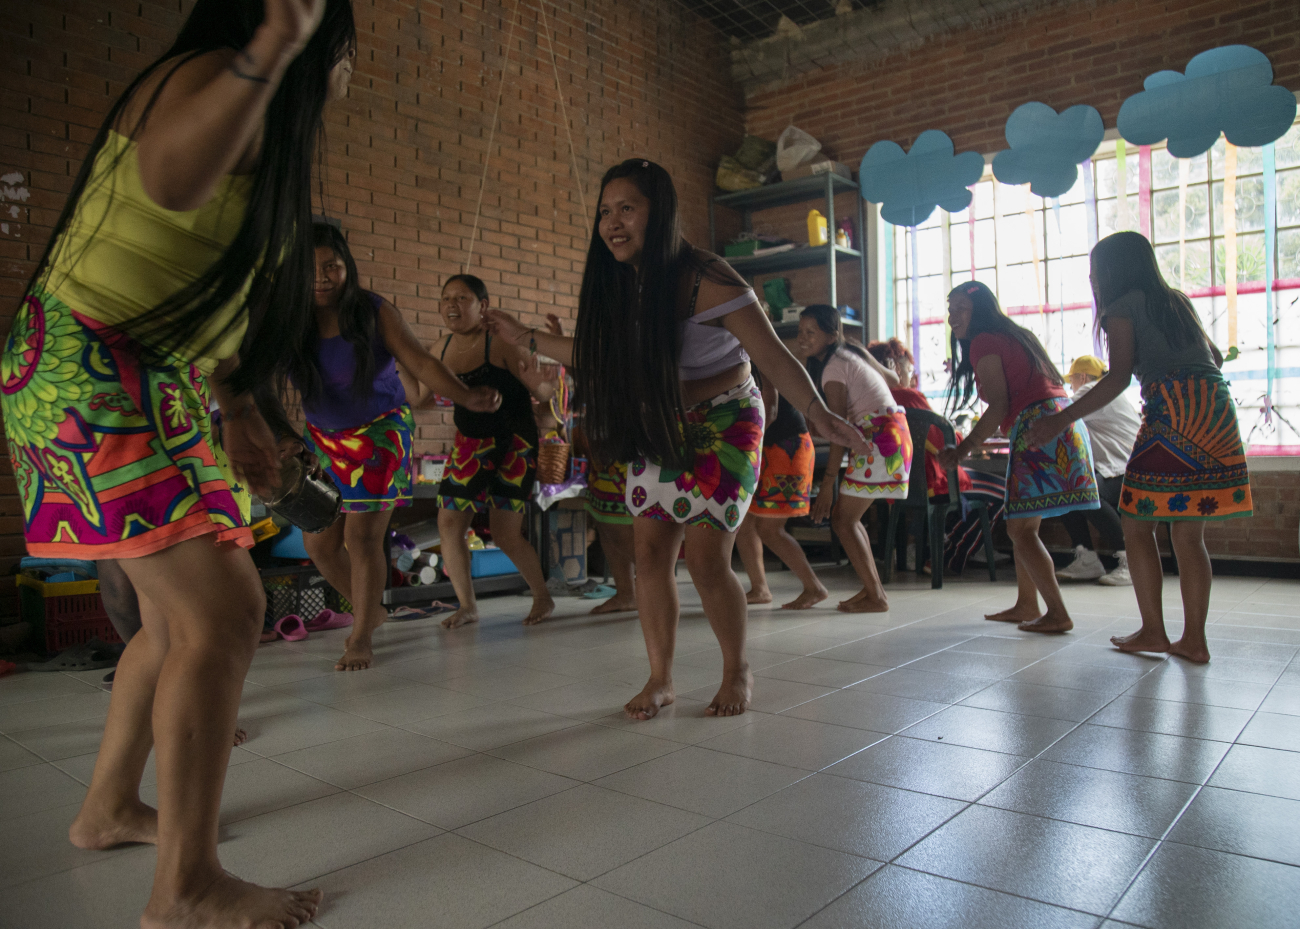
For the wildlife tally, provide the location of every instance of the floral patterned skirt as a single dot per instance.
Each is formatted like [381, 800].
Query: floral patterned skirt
[113, 458]
[607, 495]
[725, 435]
[370, 464]
[1188, 462]
[1052, 480]
[489, 474]
[882, 472]
[785, 481]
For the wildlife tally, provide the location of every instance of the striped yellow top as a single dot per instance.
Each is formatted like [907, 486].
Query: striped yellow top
[122, 254]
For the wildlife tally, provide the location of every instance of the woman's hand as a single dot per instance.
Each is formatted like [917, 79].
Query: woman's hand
[482, 400]
[293, 21]
[251, 448]
[950, 457]
[825, 500]
[540, 383]
[836, 429]
[1045, 429]
[553, 325]
[504, 326]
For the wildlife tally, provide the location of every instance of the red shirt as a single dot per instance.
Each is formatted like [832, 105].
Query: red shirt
[1025, 386]
[936, 479]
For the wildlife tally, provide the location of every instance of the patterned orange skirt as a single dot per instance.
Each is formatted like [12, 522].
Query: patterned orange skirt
[785, 481]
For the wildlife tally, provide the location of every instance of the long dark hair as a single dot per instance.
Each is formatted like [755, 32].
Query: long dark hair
[987, 316]
[279, 204]
[1125, 261]
[357, 323]
[828, 321]
[627, 340]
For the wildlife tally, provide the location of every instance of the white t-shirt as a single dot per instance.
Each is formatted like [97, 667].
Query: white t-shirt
[868, 392]
[1113, 429]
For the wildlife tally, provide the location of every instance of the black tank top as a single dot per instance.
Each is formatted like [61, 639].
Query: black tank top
[513, 417]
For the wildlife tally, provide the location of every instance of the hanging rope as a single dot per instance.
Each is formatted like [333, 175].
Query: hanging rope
[564, 114]
[487, 154]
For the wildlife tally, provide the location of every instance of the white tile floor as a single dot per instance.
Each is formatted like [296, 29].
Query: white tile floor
[920, 768]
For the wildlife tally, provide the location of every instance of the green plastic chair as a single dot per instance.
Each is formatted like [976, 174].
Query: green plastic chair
[934, 509]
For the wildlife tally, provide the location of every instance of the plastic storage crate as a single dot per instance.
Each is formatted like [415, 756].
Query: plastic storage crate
[490, 562]
[64, 614]
[301, 590]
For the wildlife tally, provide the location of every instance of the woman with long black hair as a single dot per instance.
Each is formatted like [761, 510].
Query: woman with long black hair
[661, 361]
[1188, 464]
[359, 427]
[1020, 385]
[184, 231]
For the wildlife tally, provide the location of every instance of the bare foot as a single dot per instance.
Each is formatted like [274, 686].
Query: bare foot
[542, 609]
[807, 599]
[1048, 622]
[759, 596]
[1017, 614]
[462, 617]
[97, 829]
[733, 696]
[615, 604]
[357, 655]
[653, 695]
[1141, 641]
[865, 601]
[1195, 652]
[240, 737]
[229, 903]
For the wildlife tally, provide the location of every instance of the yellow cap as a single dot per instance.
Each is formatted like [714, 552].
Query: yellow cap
[1088, 364]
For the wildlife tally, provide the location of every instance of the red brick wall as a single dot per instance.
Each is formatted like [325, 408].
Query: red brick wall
[405, 149]
[968, 83]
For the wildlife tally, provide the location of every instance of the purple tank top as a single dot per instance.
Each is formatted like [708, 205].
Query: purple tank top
[339, 406]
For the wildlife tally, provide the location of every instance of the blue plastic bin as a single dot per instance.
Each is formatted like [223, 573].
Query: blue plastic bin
[490, 562]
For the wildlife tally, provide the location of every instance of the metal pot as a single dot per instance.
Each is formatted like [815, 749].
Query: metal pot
[308, 500]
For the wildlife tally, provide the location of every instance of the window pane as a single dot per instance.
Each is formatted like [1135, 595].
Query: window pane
[1249, 160]
[1250, 205]
[929, 250]
[1288, 197]
[1020, 288]
[1164, 204]
[1287, 148]
[983, 201]
[931, 297]
[1072, 239]
[985, 244]
[1106, 169]
[1074, 194]
[959, 236]
[1164, 169]
[1068, 280]
[1288, 255]
[1014, 237]
[1250, 259]
[1198, 265]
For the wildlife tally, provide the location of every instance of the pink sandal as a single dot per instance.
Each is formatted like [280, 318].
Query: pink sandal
[291, 628]
[328, 619]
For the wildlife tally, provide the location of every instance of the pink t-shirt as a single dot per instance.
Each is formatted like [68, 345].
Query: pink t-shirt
[868, 392]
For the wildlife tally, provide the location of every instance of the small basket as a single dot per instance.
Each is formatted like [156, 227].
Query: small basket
[300, 590]
[553, 462]
[64, 614]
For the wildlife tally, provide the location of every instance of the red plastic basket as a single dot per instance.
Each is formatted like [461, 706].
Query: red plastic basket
[64, 614]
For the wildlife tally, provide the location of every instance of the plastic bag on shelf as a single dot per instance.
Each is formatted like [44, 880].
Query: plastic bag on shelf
[794, 147]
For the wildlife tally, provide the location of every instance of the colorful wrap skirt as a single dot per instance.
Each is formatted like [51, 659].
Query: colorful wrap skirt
[723, 437]
[1188, 461]
[882, 473]
[113, 458]
[607, 495]
[489, 474]
[785, 480]
[370, 464]
[1055, 479]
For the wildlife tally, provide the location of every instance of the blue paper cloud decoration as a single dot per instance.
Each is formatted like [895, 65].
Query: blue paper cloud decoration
[1225, 90]
[1047, 147]
[909, 185]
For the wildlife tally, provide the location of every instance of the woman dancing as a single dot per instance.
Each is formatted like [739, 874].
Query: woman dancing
[1020, 385]
[784, 490]
[494, 457]
[1153, 331]
[359, 428]
[661, 360]
[856, 386]
[134, 317]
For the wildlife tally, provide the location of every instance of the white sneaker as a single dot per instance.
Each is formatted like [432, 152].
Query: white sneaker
[1085, 567]
[1120, 576]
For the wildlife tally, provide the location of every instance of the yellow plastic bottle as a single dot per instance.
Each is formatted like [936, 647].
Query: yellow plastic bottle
[816, 228]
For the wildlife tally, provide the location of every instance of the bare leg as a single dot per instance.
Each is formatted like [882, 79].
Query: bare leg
[452, 526]
[657, 544]
[202, 608]
[708, 558]
[1026, 606]
[750, 547]
[1194, 578]
[1148, 584]
[363, 534]
[329, 553]
[846, 521]
[774, 536]
[619, 547]
[508, 533]
[1038, 564]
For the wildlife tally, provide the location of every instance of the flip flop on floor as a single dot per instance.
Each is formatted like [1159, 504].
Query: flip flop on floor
[329, 619]
[291, 628]
[88, 656]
